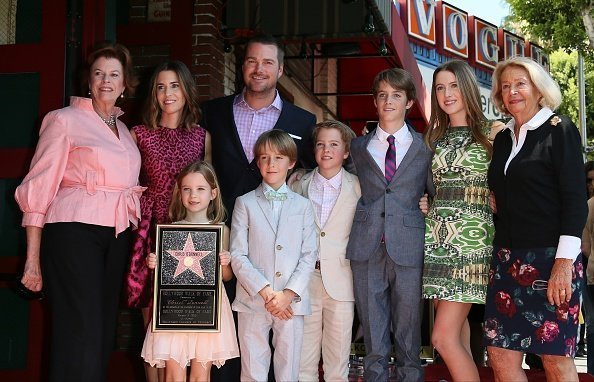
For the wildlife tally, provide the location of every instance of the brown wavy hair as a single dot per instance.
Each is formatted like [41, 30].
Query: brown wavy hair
[191, 112]
[439, 121]
[216, 210]
[120, 53]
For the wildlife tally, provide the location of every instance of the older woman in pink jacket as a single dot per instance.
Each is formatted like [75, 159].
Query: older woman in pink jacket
[82, 192]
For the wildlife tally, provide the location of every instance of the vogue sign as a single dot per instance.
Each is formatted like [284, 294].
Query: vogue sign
[453, 31]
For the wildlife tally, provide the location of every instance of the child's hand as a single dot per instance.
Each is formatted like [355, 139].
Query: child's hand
[296, 176]
[287, 314]
[280, 302]
[151, 261]
[424, 204]
[267, 293]
[492, 202]
[225, 258]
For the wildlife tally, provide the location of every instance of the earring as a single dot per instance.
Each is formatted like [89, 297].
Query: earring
[89, 91]
[122, 96]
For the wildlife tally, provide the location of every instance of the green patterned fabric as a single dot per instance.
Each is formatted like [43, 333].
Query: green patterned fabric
[459, 225]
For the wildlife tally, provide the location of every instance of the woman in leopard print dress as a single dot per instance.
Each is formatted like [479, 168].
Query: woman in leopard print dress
[169, 140]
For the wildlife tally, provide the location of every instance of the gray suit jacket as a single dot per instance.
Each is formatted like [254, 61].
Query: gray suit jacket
[391, 209]
[262, 253]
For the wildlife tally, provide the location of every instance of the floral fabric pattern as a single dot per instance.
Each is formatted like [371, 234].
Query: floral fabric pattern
[459, 224]
[518, 315]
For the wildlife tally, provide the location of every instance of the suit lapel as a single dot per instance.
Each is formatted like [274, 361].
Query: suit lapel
[265, 207]
[307, 184]
[346, 188]
[285, 212]
[410, 156]
[372, 164]
[233, 133]
[284, 115]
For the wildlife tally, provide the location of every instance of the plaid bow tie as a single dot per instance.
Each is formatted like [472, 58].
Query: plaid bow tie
[275, 195]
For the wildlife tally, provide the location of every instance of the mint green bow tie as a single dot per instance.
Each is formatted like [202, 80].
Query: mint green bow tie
[275, 195]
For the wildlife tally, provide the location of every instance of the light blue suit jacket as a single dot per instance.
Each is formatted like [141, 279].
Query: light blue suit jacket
[264, 254]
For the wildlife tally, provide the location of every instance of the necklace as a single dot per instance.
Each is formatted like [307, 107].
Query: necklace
[111, 121]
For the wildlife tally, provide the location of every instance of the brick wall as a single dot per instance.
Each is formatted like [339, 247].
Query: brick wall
[209, 62]
[213, 69]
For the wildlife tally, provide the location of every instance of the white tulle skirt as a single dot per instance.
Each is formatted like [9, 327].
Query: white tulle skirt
[202, 347]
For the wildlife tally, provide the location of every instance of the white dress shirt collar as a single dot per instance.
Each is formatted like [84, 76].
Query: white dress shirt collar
[539, 118]
[400, 136]
[240, 101]
[319, 181]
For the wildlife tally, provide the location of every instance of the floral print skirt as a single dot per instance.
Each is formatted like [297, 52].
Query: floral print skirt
[518, 315]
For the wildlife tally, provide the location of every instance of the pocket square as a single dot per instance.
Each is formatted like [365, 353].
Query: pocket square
[294, 136]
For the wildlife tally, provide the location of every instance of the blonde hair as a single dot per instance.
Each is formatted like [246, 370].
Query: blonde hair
[278, 140]
[440, 121]
[216, 210]
[346, 133]
[542, 80]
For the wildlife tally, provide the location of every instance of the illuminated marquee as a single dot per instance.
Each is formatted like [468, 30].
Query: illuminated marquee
[451, 30]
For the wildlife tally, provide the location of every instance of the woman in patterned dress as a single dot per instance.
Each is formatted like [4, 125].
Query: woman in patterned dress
[459, 222]
[169, 140]
[536, 273]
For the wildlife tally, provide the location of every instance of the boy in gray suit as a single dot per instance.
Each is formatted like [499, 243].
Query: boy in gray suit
[273, 252]
[386, 242]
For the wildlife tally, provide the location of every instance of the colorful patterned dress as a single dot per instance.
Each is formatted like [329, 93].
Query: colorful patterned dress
[459, 225]
[165, 152]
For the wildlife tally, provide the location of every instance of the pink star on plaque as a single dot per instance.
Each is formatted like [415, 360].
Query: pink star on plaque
[188, 258]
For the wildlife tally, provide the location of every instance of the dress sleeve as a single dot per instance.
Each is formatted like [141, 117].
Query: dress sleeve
[39, 188]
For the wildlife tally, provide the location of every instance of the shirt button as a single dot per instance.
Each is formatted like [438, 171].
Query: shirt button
[322, 234]
[278, 274]
[388, 190]
[279, 247]
[383, 214]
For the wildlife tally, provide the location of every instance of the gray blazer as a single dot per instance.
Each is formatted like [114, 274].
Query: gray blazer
[391, 209]
[261, 254]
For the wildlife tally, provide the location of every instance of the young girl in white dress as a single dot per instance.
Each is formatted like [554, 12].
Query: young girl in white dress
[196, 200]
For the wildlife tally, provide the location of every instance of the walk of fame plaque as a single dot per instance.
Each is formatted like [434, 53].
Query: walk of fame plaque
[187, 293]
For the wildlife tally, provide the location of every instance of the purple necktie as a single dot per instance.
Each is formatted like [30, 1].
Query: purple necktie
[390, 159]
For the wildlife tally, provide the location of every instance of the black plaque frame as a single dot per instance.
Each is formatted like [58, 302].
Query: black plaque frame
[183, 300]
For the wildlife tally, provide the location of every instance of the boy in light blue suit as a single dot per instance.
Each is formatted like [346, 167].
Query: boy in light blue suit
[273, 254]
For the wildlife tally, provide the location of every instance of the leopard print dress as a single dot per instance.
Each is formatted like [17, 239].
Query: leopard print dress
[165, 152]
